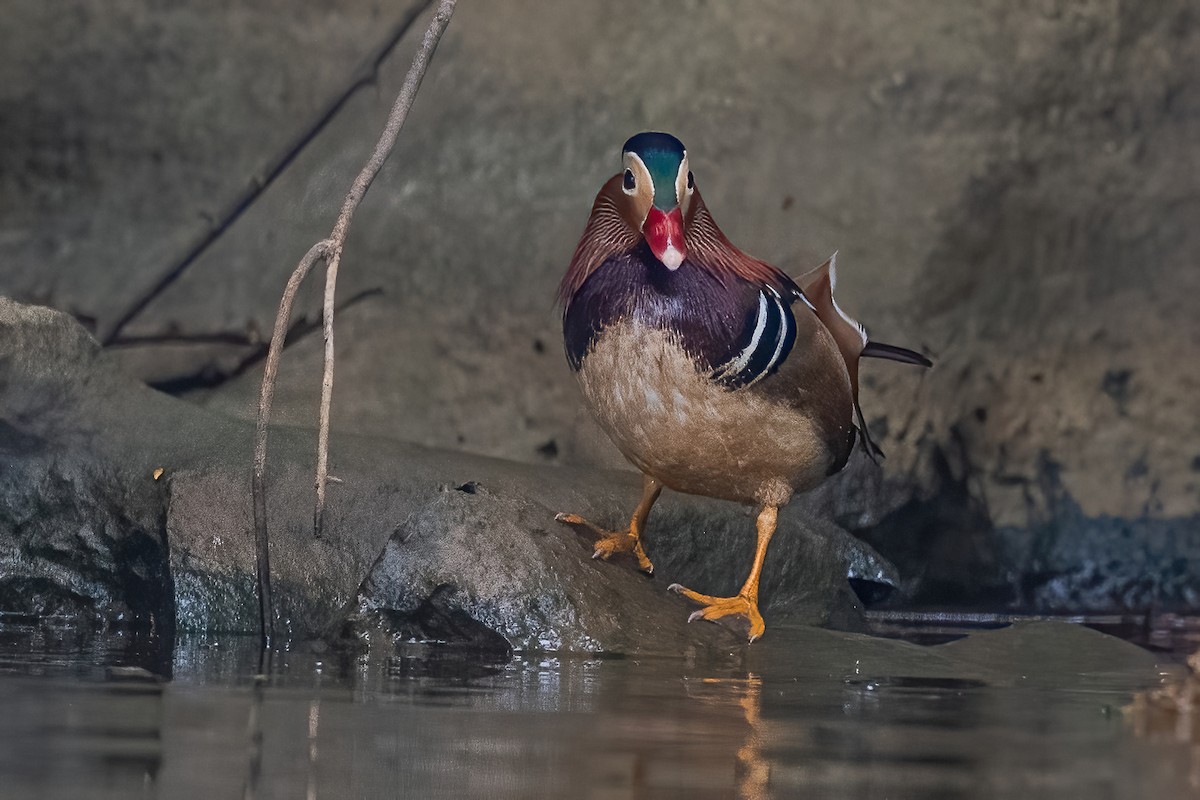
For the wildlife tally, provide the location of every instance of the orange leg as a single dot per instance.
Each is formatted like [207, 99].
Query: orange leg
[745, 603]
[629, 540]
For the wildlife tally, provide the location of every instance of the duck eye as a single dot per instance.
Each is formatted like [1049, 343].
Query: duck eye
[629, 183]
[691, 184]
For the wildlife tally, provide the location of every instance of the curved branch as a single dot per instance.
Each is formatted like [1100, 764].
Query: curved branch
[395, 121]
[330, 251]
[258, 488]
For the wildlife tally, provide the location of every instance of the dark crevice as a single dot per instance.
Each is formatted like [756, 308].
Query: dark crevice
[942, 544]
[209, 376]
[437, 620]
[174, 337]
[17, 442]
[1061, 560]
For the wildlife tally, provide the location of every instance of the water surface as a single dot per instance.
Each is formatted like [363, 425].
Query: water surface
[1027, 712]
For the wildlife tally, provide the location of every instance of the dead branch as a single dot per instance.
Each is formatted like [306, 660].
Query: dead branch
[330, 251]
[404, 101]
[266, 607]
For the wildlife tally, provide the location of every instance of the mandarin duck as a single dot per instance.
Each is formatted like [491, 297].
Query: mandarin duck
[713, 372]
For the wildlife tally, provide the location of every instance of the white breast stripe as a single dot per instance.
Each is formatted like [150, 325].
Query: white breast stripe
[783, 337]
[770, 342]
[739, 363]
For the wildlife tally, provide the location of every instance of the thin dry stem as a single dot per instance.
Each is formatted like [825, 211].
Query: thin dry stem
[329, 250]
[395, 121]
[267, 394]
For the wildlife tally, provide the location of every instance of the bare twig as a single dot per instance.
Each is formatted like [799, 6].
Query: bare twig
[404, 101]
[210, 375]
[265, 606]
[364, 75]
[330, 251]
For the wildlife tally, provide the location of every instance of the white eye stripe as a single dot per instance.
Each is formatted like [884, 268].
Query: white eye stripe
[682, 190]
[641, 175]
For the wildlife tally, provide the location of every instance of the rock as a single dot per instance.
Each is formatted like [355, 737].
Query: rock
[79, 542]
[78, 539]
[1038, 654]
[420, 542]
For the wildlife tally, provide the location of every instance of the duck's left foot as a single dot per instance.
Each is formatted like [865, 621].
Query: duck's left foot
[611, 543]
[719, 608]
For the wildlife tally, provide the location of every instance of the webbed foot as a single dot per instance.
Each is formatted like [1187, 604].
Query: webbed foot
[610, 543]
[718, 608]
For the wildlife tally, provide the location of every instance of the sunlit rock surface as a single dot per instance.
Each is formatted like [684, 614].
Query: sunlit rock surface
[120, 500]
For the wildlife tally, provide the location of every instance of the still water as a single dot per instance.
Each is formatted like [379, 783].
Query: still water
[1028, 712]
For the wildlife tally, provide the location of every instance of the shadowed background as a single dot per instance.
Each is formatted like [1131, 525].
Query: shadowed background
[1010, 187]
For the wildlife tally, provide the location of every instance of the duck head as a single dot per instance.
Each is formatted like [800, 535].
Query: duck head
[658, 187]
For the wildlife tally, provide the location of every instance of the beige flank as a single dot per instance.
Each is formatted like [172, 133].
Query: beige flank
[693, 435]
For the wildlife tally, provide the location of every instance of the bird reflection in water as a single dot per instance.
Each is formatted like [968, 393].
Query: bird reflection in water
[753, 771]
[1170, 713]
